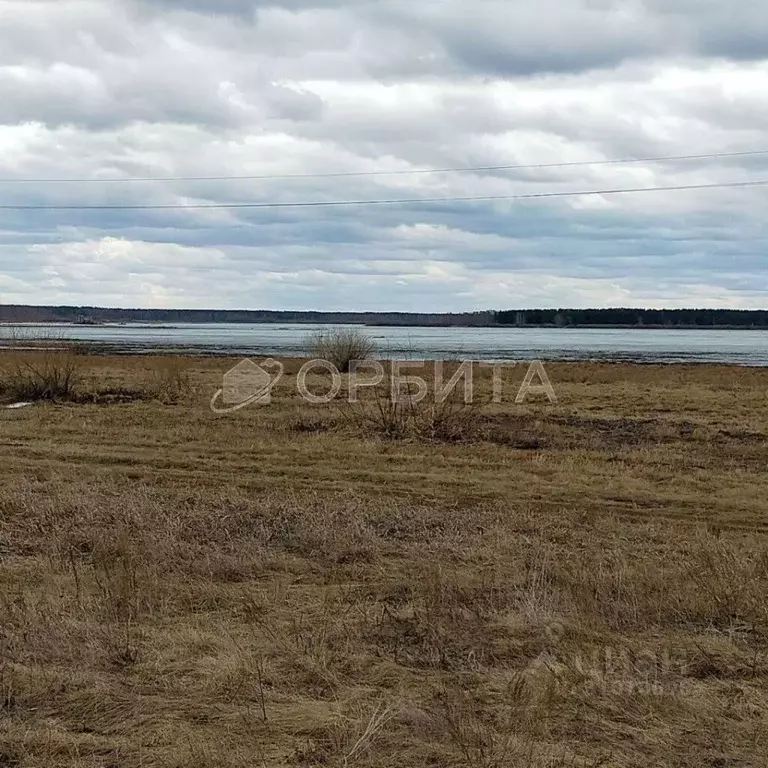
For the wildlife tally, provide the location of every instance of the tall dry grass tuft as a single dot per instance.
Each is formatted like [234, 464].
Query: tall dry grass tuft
[170, 383]
[341, 346]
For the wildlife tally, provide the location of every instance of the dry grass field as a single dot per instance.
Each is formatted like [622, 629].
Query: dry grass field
[574, 584]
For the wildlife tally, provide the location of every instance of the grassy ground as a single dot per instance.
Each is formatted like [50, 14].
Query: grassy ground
[572, 584]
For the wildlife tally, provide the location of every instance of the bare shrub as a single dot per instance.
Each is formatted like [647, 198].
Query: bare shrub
[170, 382]
[397, 415]
[341, 346]
[48, 374]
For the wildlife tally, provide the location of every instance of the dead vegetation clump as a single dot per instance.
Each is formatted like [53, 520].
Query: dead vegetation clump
[341, 346]
[61, 373]
[51, 374]
[169, 382]
[395, 415]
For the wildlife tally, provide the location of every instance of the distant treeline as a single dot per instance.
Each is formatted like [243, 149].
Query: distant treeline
[684, 318]
[659, 318]
[87, 315]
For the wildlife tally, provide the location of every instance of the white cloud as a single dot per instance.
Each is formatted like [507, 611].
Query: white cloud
[132, 88]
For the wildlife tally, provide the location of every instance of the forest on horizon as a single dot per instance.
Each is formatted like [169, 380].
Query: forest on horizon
[566, 318]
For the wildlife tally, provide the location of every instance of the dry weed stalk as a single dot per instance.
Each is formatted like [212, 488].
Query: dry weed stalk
[380, 716]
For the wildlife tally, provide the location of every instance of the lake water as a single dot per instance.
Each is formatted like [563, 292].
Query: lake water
[742, 347]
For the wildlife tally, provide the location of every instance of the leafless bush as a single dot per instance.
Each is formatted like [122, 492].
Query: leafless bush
[170, 382]
[341, 346]
[398, 415]
[40, 369]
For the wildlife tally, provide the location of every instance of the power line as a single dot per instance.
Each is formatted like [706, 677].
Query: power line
[348, 174]
[402, 201]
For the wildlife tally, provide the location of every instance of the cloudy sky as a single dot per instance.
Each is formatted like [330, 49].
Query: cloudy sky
[114, 90]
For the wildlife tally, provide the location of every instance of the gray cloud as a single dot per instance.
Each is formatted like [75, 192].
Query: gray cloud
[495, 37]
[118, 89]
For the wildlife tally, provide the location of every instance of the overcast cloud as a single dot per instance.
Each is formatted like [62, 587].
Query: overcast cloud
[121, 89]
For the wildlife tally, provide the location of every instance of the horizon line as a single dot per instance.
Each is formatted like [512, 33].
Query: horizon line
[384, 311]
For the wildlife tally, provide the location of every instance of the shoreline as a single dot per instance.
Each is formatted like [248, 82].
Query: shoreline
[105, 350]
[160, 325]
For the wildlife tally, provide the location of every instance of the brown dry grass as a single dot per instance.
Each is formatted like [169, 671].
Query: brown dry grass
[580, 584]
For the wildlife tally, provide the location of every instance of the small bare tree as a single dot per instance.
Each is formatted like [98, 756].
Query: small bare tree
[341, 346]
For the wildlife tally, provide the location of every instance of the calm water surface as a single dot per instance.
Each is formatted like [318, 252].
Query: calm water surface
[743, 347]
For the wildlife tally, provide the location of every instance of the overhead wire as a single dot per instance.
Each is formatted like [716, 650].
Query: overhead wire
[392, 201]
[402, 172]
